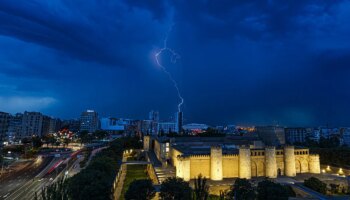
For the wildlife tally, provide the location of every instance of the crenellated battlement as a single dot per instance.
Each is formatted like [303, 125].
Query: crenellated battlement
[200, 156]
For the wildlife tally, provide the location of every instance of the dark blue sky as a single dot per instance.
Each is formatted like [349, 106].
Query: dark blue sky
[242, 62]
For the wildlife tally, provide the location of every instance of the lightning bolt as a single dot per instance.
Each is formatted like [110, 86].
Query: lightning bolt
[174, 57]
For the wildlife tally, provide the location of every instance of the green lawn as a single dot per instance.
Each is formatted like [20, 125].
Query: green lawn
[134, 172]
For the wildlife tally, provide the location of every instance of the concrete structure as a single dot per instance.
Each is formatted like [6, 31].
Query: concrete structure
[271, 135]
[89, 121]
[218, 158]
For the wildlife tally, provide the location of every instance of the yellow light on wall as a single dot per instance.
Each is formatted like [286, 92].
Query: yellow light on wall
[328, 168]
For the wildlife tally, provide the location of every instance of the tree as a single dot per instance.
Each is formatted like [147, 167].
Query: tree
[55, 191]
[176, 189]
[242, 190]
[140, 190]
[84, 137]
[66, 141]
[268, 190]
[315, 184]
[99, 134]
[36, 142]
[201, 190]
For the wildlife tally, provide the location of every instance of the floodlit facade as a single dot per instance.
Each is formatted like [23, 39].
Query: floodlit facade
[220, 158]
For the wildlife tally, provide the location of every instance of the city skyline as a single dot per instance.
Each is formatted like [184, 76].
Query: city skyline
[257, 63]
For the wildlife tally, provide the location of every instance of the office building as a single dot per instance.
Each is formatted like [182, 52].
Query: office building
[89, 121]
[4, 124]
[167, 127]
[297, 135]
[111, 125]
[178, 122]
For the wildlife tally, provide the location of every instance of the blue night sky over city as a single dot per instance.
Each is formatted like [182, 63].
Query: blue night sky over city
[239, 62]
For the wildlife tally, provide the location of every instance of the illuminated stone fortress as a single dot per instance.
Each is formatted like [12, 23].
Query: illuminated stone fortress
[220, 158]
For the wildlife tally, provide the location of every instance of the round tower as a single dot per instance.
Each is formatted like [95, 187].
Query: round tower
[314, 164]
[289, 161]
[187, 169]
[216, 163]
[146, 142]
[245, 163]
[270, 162]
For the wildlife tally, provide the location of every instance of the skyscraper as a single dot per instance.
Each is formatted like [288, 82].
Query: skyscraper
[89, 121]
[178, 122]
[4, 123]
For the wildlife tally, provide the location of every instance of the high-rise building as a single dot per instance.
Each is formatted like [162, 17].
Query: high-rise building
[166, 127]
[33, 123]
[89, 121]
[55, 125]
[178, 122]
[297, 135]
[4, 123]
[271, 135]
[15, 128]
[153, 115]
[72, 124]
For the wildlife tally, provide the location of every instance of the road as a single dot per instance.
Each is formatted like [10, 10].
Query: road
[16, 179]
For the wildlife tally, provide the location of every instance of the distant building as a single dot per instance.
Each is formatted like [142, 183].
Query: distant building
[4, 124]
[271, 135]
[153, 115]
[111, 125]
[14, 133]
[195, 128]
[178, 122]
[314, 135]
[55, 125]
[89, 121]
[72, 124]
[167, 127]
[345, 135]
[34, 123]
[296, 135]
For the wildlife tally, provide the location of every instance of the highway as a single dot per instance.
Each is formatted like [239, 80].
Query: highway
[16, 179]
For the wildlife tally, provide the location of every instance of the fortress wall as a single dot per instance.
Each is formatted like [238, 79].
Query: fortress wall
[270, 162]
[302, 163]
[216, 173]
[174, 153]
[200, 164]
[314, 164]
[230, 166]
[280, 164]
[244, 163]
[289, 161]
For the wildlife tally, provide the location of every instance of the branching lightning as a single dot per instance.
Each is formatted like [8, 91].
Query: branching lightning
[174, 57]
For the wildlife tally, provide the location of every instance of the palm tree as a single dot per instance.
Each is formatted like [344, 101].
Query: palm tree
[201, 190]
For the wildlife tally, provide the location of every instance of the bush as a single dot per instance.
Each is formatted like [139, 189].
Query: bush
[315, 184]
[140, 190]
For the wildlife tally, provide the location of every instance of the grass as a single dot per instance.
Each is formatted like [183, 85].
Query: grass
[134, 172]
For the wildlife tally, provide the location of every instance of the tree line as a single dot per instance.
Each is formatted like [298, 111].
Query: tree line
[178, 189]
